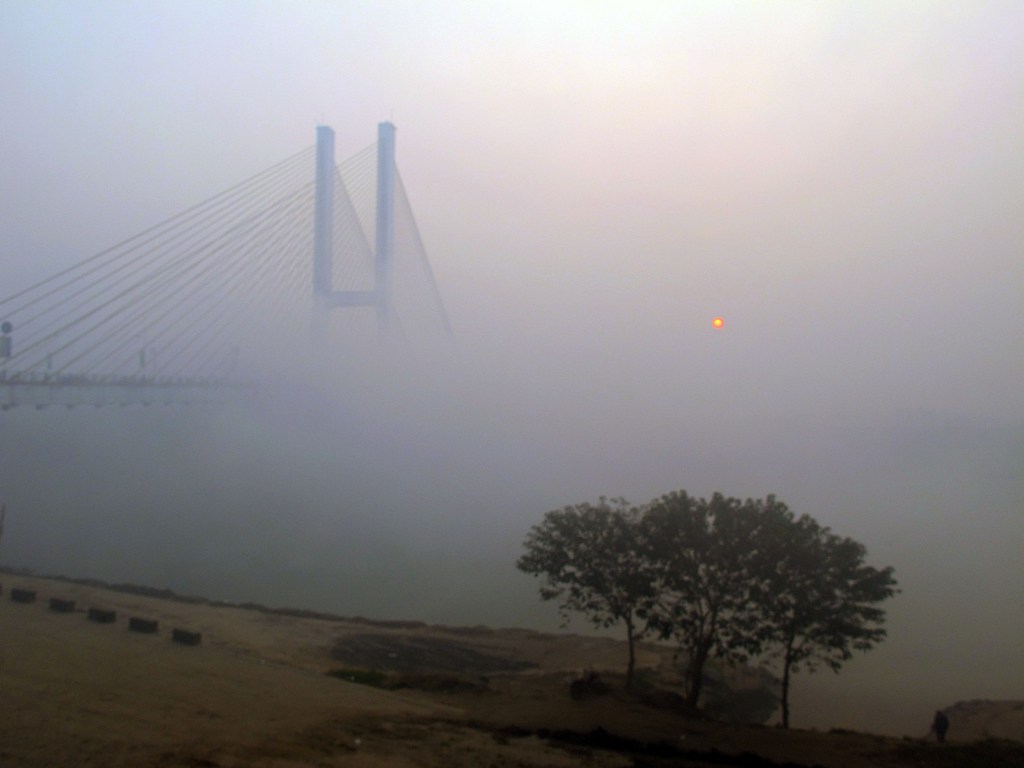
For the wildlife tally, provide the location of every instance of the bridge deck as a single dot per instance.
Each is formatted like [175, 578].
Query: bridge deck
[41, 391]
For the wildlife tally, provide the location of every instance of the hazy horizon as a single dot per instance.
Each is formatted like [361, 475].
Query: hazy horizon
[841, 182]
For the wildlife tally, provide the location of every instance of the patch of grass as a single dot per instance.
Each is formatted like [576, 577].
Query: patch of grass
[370, 677]
[439, 683]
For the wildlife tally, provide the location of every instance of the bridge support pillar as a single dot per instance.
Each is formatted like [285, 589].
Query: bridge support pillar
[323, 221]
[385, 235]
[323, 228]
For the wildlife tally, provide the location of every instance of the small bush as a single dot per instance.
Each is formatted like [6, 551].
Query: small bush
[146, 626]
[753, 706]
[185, 637]
[102, 615]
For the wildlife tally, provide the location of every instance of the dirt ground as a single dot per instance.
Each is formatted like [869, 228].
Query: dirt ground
[255, 692]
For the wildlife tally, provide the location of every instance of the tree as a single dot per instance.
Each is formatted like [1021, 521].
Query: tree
[818, 598]
[590, 559]
[701, 553]
[722, 577]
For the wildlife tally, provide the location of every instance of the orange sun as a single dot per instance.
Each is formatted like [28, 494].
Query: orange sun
[718, 322]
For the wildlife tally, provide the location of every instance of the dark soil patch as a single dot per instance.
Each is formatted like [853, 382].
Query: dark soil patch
[645, 755]
[991, 753]
[407, 653]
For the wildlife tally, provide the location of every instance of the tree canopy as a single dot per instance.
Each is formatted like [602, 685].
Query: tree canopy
[722, 577]
[819, 600]
[699, 551]
[589, 557]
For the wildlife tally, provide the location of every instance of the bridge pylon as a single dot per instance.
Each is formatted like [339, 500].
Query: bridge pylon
[325, 297]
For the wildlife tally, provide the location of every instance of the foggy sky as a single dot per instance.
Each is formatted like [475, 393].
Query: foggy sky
[594, 182]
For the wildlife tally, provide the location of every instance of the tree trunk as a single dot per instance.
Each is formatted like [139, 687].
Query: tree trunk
[630, 639]
[786, 664]
[785, 694]
[696, 674]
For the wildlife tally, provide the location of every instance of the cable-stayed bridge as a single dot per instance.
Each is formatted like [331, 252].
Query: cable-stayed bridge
[233, 289]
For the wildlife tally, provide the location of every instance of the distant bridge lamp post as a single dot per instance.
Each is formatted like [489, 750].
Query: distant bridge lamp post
[6, 345]
[49, 352]
[147, 357]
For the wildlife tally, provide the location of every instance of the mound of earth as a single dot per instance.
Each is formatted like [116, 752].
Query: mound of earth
[984, 719]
